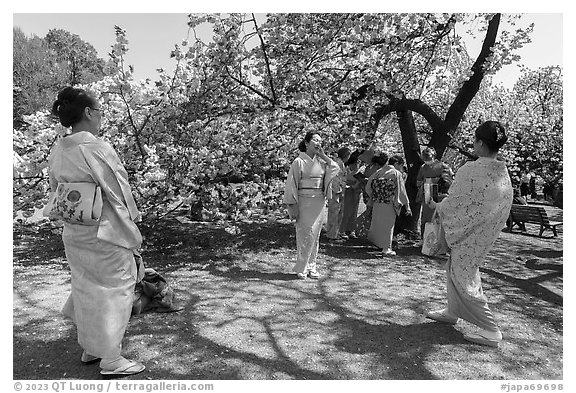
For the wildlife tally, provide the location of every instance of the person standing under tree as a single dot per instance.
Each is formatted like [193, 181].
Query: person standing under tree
[352, 196]
[388, 194]
[101, 257]
[432, 170]
[308, 185]
[336, 202]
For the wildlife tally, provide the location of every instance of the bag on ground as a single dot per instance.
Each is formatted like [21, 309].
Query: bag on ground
[433, 241]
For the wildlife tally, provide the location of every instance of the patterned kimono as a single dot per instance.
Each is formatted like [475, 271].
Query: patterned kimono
[309, 183]
[100, 257]
[472, 216]
[388, 194]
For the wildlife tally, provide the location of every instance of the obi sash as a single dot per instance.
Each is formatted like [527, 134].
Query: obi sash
[311, 187]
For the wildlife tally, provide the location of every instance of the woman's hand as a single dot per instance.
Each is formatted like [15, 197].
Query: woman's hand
[322, 155]
[431, 204]
[293, 211]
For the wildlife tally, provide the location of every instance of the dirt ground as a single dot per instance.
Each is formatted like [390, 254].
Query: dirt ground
[245, 317]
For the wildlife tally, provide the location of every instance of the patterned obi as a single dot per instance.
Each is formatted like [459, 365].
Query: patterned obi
[383, 190]
[312, 187]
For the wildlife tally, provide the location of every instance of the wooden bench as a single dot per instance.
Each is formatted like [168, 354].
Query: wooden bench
[521, 214]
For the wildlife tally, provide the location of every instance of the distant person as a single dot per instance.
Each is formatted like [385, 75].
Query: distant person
[532, 186]
[398, 162]
[307, 187]
[388, 194]
[336, 201]
[364, 221]
[101, 257]
[517, 199]
[432, 170]
[370, 158]
[472, 216]
[525, 184]
[354, 183]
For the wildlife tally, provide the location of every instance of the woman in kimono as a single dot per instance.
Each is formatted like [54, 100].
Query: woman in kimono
[307, 187]
[433, 170]
[387, 194]
[352, 194]
[101, 256]
[472, 216]
[364, 220]
[336, 202]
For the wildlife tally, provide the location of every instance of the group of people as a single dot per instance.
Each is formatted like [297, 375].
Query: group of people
[102, 258]
[381, 183]
[473, 208]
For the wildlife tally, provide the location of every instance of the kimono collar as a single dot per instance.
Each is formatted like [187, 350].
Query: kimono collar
[77, 138]
[307, 158]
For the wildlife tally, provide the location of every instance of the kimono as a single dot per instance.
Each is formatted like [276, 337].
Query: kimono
[472, 216]
[387, 196]
[101, 257]
[351, 200]
[434, 172]
[308, 185]
[336, 202]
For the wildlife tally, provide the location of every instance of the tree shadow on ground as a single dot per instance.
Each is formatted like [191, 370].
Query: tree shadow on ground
[33, 245]
[244, 318]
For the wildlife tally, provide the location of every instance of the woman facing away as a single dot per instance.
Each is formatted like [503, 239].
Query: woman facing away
[352, 194]
[336, 201]
[432, 170]
[364, 221]
[307, 187]
[472, 216]
[101, 257]
[387, 194]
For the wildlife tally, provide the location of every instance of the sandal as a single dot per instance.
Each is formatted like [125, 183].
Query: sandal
[127, 367]
[440, 316]
[480, 339]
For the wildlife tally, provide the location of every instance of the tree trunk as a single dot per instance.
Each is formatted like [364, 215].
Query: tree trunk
[413, 162]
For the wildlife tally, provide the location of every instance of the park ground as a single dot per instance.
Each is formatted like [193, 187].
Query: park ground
[245, 316]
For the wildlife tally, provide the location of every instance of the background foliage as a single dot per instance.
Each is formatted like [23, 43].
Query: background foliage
[217, 136]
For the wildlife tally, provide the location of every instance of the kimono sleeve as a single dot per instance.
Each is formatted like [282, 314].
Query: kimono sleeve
[110, 174]
[402, 194]
[369, 184]
[331, 170]
[292, 181]
[53, 183]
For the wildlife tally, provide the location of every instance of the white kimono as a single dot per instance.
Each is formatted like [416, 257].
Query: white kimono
[100, 257]
[473, 215]
[308, 185]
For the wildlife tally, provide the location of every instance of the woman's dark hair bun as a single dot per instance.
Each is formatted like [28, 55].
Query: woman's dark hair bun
[493, 134]
[70, 103]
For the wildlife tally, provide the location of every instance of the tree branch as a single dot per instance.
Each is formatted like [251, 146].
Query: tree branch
[269, 71]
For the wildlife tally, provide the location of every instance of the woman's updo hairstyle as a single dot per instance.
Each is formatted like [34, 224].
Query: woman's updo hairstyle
[492, 133]
[70, 104]
[380, 159]
[307, 138]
